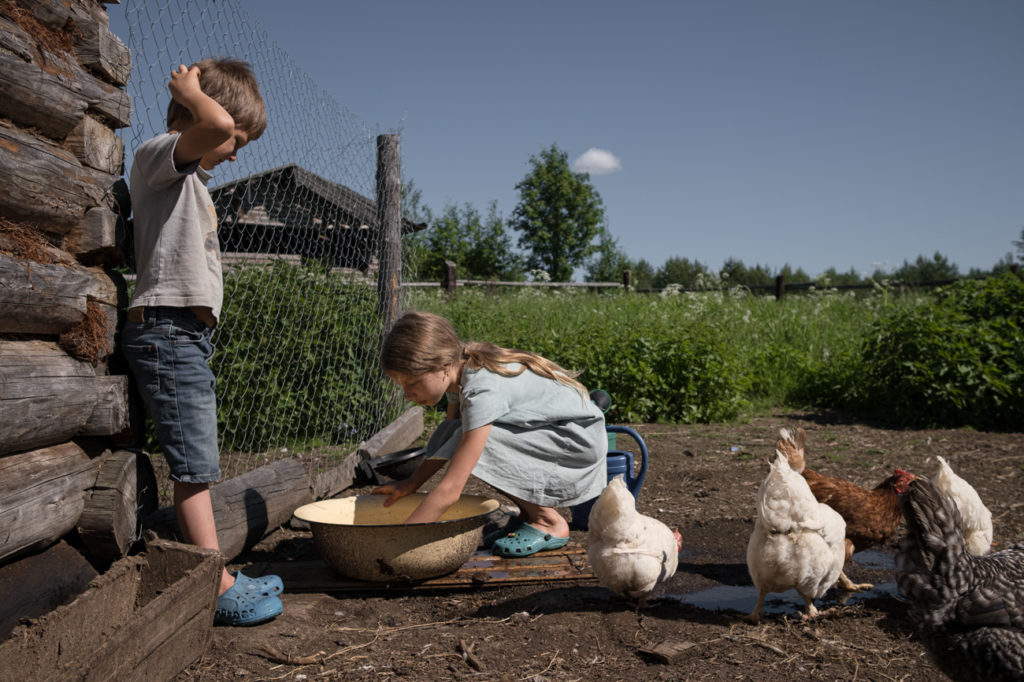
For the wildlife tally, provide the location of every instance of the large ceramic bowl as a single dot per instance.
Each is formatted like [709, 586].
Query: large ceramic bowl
[358, 537]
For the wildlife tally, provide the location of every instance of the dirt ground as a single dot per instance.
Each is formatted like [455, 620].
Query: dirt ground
[702, 479]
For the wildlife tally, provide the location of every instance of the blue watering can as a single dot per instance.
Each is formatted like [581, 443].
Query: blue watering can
[620, 463]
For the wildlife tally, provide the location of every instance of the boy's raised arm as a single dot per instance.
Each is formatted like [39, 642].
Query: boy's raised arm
[211, 124]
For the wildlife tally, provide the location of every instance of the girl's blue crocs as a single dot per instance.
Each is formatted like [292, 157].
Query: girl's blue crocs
[239, 607]
[526, 540]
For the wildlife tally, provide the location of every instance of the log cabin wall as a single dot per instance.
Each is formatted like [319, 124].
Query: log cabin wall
[64, 400]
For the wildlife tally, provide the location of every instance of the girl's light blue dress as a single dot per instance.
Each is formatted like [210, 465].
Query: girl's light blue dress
[547, 445]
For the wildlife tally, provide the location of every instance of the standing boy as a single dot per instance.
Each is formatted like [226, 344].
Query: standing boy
[215, 110]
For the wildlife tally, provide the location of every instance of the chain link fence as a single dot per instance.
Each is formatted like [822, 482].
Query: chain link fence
[296, 350]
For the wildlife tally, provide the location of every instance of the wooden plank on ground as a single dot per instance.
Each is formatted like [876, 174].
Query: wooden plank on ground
[566, 565]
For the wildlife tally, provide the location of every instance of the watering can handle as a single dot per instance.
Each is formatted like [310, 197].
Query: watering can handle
[643, 450]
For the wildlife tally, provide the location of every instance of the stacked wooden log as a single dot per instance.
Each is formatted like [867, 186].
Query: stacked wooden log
[64, 400]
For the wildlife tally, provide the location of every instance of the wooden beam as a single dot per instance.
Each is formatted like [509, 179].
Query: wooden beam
[94, 239]
[34, 98]
[45, 184]
[396, 436]
[41, 298]
[110, 413]
[51, 91]
[46, 396]
[247, 507]
[96, 146]
[42, 495]
[389, 220]
[125, 493]
[97, 47]
[332, 481]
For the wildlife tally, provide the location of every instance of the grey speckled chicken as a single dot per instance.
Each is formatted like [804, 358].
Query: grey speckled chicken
[968, 610]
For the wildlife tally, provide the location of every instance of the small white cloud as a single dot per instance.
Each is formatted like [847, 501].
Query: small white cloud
[597, 162]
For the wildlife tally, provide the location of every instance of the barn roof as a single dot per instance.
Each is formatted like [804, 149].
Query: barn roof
[292, 197]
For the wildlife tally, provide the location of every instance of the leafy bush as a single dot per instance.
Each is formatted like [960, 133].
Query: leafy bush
[956, 361]
[296, 359]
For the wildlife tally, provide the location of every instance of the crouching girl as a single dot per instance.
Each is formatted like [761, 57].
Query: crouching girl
[515, 420]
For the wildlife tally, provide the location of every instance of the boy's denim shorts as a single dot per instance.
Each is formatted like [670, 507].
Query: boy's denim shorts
[169, 353]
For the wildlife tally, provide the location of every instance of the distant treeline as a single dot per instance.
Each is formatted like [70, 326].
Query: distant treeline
[693, 275]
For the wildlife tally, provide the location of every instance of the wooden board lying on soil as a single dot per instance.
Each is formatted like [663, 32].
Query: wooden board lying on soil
[566, 565]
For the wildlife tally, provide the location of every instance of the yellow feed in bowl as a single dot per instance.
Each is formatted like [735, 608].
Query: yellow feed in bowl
[369, 510]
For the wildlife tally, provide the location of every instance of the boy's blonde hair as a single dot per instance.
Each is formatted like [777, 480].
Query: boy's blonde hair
[231, 84]
[423, 342]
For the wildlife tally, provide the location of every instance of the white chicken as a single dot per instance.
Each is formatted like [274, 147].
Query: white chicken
[630, 552]
[797, 541]
[977, 518]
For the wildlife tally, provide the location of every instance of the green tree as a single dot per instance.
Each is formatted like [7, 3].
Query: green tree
[608, 261]
[1004, 264]
[681, 271]
[558, 216]
[830, 278]
[643, 275]
[1019, 243]
[490, 255]
[735, 273]
[938, 269]
[478, 246]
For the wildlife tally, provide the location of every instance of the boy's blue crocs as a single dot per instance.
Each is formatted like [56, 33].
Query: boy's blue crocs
[526, 540]
[268, 585]
[240, 607]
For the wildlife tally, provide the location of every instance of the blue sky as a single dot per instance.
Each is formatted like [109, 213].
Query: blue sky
[810, 133]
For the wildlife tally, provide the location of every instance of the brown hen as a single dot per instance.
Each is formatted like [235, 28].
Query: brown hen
[872, 515]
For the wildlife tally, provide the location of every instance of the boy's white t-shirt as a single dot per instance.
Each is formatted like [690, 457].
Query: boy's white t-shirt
[177, 253]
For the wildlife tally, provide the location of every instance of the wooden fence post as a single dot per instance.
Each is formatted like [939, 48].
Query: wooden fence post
[627, 279]
[389, 220]
[780, 287]
[448, 282]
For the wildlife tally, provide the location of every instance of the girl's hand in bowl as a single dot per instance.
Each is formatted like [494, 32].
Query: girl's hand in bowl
[395, 490]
